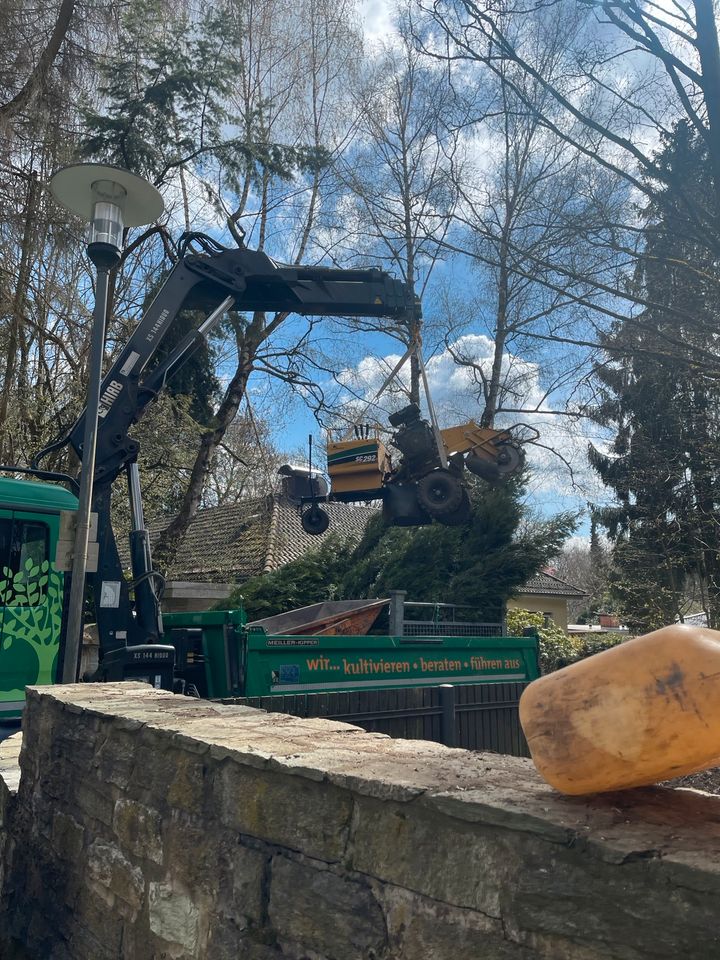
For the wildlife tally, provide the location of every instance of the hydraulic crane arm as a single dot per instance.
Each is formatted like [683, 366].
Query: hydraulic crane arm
[217, 281]
[213, 281]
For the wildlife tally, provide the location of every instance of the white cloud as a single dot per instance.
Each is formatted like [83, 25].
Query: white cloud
[377, 20]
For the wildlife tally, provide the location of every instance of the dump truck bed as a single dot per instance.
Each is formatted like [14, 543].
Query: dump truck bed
[304, 664]
[330, 618]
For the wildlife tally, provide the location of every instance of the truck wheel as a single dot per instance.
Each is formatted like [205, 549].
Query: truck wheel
[315, 521]
[440, 493]
[460, 516]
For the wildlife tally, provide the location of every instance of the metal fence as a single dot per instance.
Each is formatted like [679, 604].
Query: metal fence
[476, 717]
[436, 619]
[450, 628]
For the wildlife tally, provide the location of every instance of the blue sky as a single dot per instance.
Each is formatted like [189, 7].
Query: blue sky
[364, 359]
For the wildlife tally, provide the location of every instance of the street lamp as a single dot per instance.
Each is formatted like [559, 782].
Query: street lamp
[110, 199]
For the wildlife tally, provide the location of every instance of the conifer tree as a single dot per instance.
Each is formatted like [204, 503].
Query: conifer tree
[663, 406]
[479, 564]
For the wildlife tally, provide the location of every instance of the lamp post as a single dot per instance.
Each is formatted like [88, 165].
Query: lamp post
[110, 199]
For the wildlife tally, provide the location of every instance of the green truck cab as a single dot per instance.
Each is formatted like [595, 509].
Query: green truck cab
[31, 588]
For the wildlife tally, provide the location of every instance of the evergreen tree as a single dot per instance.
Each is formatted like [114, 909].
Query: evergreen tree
[165, 98]
[480, 564]
[311, 578]
[663, 407]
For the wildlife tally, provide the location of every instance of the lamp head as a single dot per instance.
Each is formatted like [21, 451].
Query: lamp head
[110, 199]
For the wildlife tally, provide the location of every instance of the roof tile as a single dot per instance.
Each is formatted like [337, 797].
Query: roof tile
[547, 584]
[237, 541]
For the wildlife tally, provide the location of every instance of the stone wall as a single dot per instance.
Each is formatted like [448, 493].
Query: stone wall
[152, 826]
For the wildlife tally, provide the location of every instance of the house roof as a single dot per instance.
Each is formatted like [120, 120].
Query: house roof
[547, 584]
[237, 541]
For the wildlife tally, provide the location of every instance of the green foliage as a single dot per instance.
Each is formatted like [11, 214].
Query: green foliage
[519, 620]
[481, 563]
[661, 399]
[557, 648]
[166, 94]
[311, 579]
[593, 643]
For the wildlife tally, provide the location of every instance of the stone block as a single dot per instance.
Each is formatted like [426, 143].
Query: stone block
[187, 786]
[566, 894]
[322, 911]
[458, 863]
[96, 932]
[166, 775]
[67, 836]
[53, 779]
[174, 919]
[204, 857]
[12, 950]
[420, 929]
[108, 868]
[300, 814]
[93, 800]
[228, 942]
[154, 767]
[191, 855]
[242, 883]
[138, 829]
[114, 757]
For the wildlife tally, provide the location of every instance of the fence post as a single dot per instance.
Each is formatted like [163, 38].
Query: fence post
[447, 717]
[397, 612]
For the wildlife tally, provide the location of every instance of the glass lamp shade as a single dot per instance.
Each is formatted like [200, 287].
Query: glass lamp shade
[107, 223]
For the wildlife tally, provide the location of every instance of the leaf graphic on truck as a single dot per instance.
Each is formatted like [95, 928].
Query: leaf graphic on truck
[32, 601]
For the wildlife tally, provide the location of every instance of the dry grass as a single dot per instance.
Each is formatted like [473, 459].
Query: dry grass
[707, 780]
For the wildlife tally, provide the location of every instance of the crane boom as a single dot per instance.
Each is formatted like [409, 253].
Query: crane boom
[213, 280]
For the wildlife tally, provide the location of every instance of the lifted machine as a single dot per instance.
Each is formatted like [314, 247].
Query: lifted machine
[422, 480]
[213, 279]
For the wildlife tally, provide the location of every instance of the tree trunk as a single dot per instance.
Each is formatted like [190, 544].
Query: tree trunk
[492, 393]
[166, 547]
[18, 308]
[709, 53]
[37, 80]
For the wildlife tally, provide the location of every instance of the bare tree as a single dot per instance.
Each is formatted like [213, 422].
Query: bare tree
[33, 41]
[292, 74]
[523, 197]
[49, 54]
[628, 73]
[398, 172]
[246, 462]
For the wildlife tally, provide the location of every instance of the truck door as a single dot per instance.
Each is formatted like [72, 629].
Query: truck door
[5, 536]
[31, 598]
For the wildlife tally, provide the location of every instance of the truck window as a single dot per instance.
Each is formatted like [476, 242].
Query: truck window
[5, 535]
[29, 549]
[31, 543]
